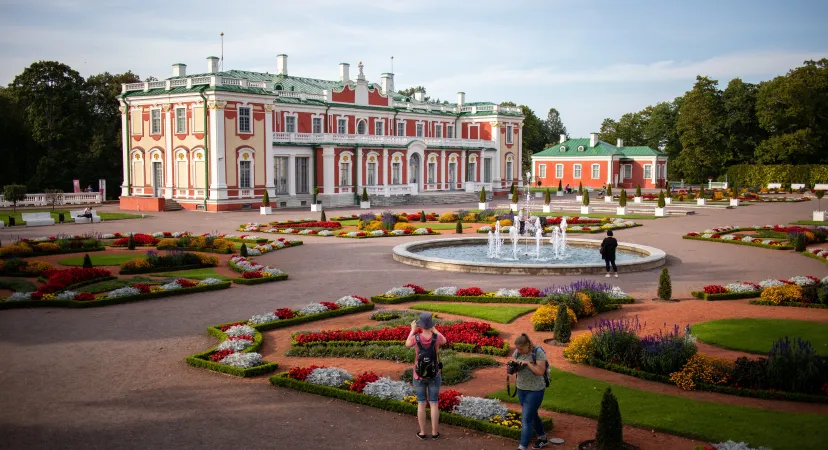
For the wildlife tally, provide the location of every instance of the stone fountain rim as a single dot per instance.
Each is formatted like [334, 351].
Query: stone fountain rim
[654, 257]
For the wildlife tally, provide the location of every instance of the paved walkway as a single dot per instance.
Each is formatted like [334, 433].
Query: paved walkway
[115, 377]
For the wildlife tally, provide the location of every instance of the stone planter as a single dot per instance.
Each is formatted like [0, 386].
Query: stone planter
[538, 194]
[661, 212]
[559, 194]
[513, 207]
[265, 210]
[819, 216]
[621, 210]
[482, 206]
[668, 200]
[586, 209]
[637, 199]
[579, 198]
[608, 198]
[701, 201]
[365, 205]
[547, 208]
[734, 202]
[316, 207]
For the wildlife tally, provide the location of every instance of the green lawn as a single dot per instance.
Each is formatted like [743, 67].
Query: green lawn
[17, 285]
[495, 313]
[18, 218]
[758, 335]
[195, 274]
[109, 285]
[349, 223]
[573, 394]
[810, 222]
[112, 259]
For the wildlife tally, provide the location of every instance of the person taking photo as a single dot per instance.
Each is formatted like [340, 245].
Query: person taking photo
[531, 379]
[427, 376]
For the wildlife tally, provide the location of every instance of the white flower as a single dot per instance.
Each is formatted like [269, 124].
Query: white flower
[824, 280]
[254, 252]
[329, 376]
[123, 292]
[234, 344]
[230, 236]
[770, 283]
[728, 237]
[325, 233]
[507, 293]
[767, 241]
[40, 239]
[400, 292]
[349, 301]
[279, 244]
[707, 236]
[171, 286]
[243, 360]
[158, 234]
[479, 408]
[272, 271]
[398, 232]
[748, 239]
[576, 228]
[616, 292]
[486, 228]
[240, 330]
[288, 230]
[446, 290]
[66, 295]
[377, 233]
[708, 231]
[257, 319]
[506, 229]
[740, 288]
[305, 232]
[421, 231]
[108, 236]
[19, 297]
[353, 234]
[801, 281]
[731, 445]
[312, 308]
[388, 389]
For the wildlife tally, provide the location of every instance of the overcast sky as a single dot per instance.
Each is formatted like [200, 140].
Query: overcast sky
[589, 59]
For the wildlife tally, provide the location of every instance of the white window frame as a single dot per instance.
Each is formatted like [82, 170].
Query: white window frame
[576, 171]
[401, 124]
[438, 130]
[648, 168]
[396, 173]
[371, 174]
[364, 124]
[559, 171]
[314, 122]
[155, 116]
[340, 128]
[450, 131]
[419, 130]
[594, 168]
[541, 170]
[626, 171]
[344, 168]
[510, 137]
[291, 119]
[279, 187]
[239, 128]
[510, 167]
[471, 171]
[431, 175]
[181, 121]
[379, 127]
[252, 162]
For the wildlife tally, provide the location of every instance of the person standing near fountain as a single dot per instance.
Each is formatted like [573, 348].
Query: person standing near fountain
[608, 246]
[427, 376]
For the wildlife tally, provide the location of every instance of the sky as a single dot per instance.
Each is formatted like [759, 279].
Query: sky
[588, 59]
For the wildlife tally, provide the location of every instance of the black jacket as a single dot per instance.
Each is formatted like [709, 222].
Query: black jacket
[608, 246]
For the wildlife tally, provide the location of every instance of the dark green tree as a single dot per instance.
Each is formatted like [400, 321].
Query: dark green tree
[483, 194]
[560, 185]
[547, 197]
[422, 216]
[661, 202]
[701, 131]
[553, 127]
[586, 198]
[266, 199]
[562, 329]
[87, 261]
[622, 199]
[741, 126]
[665, 285]
[131, 242]
[14, 193]
[610, 432]
[243, 250]
[364, 194]
[638, 191]
[459, 228]
[322, 217]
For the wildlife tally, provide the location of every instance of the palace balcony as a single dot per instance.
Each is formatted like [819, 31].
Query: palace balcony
[378, 141]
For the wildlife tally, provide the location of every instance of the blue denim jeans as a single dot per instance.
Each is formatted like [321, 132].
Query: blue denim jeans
[530, 401]
[428, 390]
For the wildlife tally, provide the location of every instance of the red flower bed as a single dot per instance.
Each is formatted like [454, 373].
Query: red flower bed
[463, 333]
[301, 373]
[61, 279]
[252, 275]
[448, 399]
[473, 291]
[228, 326]
[362, 299]
[284, 313]
[138, 238]
[144, 288]
[84, 297]
[328, 224]
[714, 289]
[572, 220]
[240, 338]
[417, 289]
[330, 305]
[221, 354]
[529, 292]
[813, 278]
[791, 229]
[185, 283]
[362, 379]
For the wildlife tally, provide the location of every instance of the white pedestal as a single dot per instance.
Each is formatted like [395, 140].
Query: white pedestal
[637, 199]
[701, 201]
[547, 208]
[661, 212]
[621, 210]
[586, 209]
[668, 200]
[819, 216]
[513, 207]
[579, 198]
[608, 199]
[365, 205]
[482, 206]
[734, 202]
[538, 194]
[316, 207]
[559, 194]
[265, 210]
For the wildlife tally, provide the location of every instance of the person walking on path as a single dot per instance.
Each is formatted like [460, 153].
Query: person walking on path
[531, 381]
[608, 246]
[427, 377]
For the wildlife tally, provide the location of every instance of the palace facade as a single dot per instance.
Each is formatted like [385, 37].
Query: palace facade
[218, 140]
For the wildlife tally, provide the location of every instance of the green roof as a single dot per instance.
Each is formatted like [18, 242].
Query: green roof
[641, 151]
[601, 149]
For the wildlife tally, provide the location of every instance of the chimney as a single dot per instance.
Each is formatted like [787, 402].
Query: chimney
[281, 64]
[212, 64]
[179, 70]
[461, 98]
[620, 143]
[344, 69]
[563, 138]
[593, 139]
[387, 83]
[418, 96]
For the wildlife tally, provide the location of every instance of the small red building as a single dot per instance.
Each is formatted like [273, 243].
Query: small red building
[595, 163]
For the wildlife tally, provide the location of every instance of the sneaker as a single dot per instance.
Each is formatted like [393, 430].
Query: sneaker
[608, 275]
[540, 443]
[616, 275]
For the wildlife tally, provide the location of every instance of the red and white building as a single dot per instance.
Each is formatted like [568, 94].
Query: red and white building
[595, 163]
[217, 140]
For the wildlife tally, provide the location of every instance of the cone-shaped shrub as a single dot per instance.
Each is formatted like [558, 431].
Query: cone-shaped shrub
[661, 202]
[422, 216]
[586, 198]
[266, 199]
[322, 217]
[131, 242]
[514, 196]
[364, 194]
[483, 195]
[563, 330]
[580, 188]
[665, 286]
[799, 242]
[512, 189]
[547, 197]
[638, 191]
[609, 190]
[87, 261]
[243, 250]
[459, 228]
[315, 194]
[560, 185]
[610, 433]
[622, 198]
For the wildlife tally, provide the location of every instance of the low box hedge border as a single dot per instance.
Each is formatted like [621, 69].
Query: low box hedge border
[248, 240]
[251, 281]
[304, 319]
[726, 296]
[203, 359]
[165, 269]
[750, 244]
[756, 393]
[458, 346]
[197, 249]
[282, 380]
[591, 231]
[789, 304]
[811, 255]
[453, 298]
[112, 301]
[60, 252]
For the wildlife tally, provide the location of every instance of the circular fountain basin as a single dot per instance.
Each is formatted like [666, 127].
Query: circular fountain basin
[469, 254]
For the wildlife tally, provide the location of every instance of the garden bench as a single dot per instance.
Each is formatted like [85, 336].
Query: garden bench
[797, 185]
[774, 185]
[38, 219]
[79, 218]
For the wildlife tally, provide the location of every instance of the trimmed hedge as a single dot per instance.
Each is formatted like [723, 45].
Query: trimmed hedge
[771, 395]
[198, 249]
[811, 255]
[458, 346]
[304, 319]
[203, 359]
[87, 282]
[456, 299]
[762, 175]
[749, 244]
[248, 281]
[726, 296]
[248, 240]
[112, 301]
[790, 304]
[164, 269]
[282, 380]
[59, 252]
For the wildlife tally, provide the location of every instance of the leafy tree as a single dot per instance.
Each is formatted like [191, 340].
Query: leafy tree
[483, 194]
[609, 434]
[661, 202]
[409, 92]
[14, 193]
[53, 197]
[665, 286]
[740, 123]
[630, 128]
[819, 194]
[700, 125]
[562, 329]
[553, 127]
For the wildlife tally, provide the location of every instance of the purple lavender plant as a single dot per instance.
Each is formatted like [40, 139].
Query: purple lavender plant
[617, 342]
[796, 367]
[667, 352]
[388, 220]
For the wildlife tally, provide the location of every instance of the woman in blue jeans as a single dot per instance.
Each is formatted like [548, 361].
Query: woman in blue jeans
[530, 384]
[426, 389]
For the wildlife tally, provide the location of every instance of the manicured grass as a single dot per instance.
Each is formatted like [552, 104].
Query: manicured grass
[495, 313]
[17, 284]
[110, 285]
[573, 394]
[810, 222]
[18, 218]
[195, 274]
[111, 259]
[349, 223]
[758, 335]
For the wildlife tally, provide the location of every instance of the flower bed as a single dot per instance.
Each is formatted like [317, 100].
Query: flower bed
[315, 311]
[820, 254]
[742, 290]
[385, 233]
[236, 354]
[209, 243]
[17, 267]
[52, 245]
[271, 246]
[525, 295]
[306, 223]
[470, 412]
[253, 273]
[140, 240]
[724, 234]
[172, 261]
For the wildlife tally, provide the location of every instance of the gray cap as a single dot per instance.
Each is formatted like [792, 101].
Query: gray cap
[425, 321]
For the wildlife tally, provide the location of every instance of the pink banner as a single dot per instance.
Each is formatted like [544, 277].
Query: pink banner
[76, 185]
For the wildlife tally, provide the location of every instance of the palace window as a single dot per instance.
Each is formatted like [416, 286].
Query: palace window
[576, 171]
[450, 131]
[648, 171]
[438, 130]
[181, 120]
[302, 184]
[379, 127]
[541, 170]
[396, 173]
[509, 165]
[420, 130]
[372, 174]
[471, 171]
[155, 121]
[487, 170]
[362, 128]
[401, 128]
[509, 136]
[344, 174]
[317, 125]
[559, 171]
[280, 174]
[432, 173]
[342, 126]
[244, 174]
[290, 124]
[596, 171]
[245, 125]
[627, 171]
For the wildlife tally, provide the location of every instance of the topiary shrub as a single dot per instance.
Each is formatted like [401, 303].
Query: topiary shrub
[799, 242]
[315, 194]
[622, 199]
[586, 198]
[560, 185]
[514, 196]
[87, 261]
[638, 191]
[609, 190]
[661, 202]
[819, 194]
[364, 194]
[131, 242]
[580, 188]
[483, 195]
[459, 228]
[610, 433]
[422, 216]
[563, 330]
[266, 199]
[547, 197]
[665, 285]
[322, 217]
[243, 250]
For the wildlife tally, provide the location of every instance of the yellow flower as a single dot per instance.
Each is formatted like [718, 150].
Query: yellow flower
[588, 309]
[702, 369]
[580, 348]
[543, 319]
[782, 294]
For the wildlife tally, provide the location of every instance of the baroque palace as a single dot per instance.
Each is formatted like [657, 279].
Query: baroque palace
[218, 140]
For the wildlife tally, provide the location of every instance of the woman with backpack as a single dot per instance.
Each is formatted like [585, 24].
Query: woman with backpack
[427, 377]
[531, 381]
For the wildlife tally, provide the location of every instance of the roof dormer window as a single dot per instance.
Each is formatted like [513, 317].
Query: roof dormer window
[580, 148]
[563, 148]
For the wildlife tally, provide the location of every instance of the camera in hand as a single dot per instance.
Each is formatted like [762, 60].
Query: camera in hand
[512, 367]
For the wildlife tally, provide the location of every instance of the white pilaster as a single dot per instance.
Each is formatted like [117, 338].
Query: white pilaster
[358, 162]
[462, 175]
[269, 173]
[218, 172]
[125, 136]
[168, 152]
[653, 172]
[386, 172]
[609, 171]
[497, 159]
[443, 166]
[519, 162]
[328, 168]
[292, 176]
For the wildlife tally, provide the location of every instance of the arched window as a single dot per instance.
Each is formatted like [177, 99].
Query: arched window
[362, 128]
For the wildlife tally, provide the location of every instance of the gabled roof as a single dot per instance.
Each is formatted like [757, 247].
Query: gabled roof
[602, 149]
